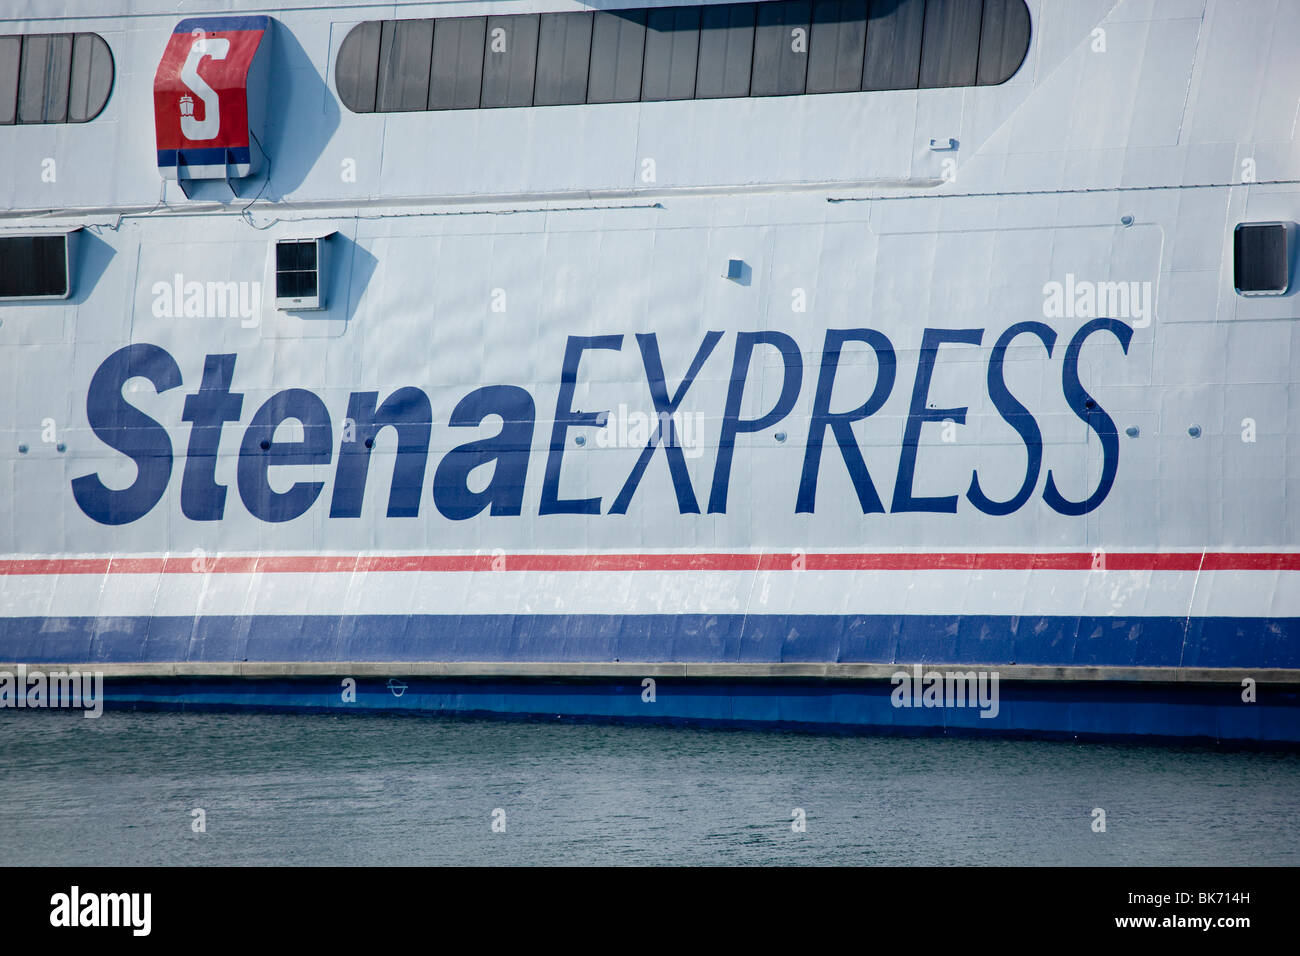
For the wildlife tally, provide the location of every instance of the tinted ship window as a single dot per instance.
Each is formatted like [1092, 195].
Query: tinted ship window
[708, 51]
[456, 76]
[563, 59]
[295, 269]
[781, 48]
[510, 61]
[33, 267]
[726, 50]
[672, 50]
[950, 43]
[893, 60]
[1004, 38]
[839, 36]
[54, 78]
[1261, 258]
[405, 48]
[617, 57]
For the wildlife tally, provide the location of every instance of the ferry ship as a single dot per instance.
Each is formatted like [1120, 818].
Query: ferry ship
[894, 366]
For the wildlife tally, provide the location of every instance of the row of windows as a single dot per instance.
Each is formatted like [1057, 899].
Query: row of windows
[54, 78]
[786, 47]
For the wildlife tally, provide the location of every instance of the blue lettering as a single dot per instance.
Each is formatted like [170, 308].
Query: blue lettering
[260, 451]
[509, 448]
[566, 418]
[841, 423]
[125, 428]
[664, 409]
[1086, 408]
[918, 415]
[406, 411]
[202, 499]
[1018, 417]
[732, 423]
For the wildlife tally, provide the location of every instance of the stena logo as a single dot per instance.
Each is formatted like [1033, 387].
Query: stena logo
[208, 127]
[203, 89]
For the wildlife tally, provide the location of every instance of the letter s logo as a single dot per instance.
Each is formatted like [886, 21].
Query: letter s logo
[210, 125]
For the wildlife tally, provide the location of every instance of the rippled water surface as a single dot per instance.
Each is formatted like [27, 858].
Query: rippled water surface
[399, 790]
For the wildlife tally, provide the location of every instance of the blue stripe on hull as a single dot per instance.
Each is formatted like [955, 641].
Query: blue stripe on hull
[206, 156]
[1094, 711]
[953, 639]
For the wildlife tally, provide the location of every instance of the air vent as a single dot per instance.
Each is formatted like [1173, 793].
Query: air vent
[1261, 257]
[300, 275]
[36, 266]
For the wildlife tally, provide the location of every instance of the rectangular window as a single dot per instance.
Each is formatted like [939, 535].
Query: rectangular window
[295, 255]
[456, 73]
[563, 59]
[10, 56]
[43, 90]
[405, 47]
[617, 52]
[295, 269]
[33, 267]
[672, 48]
[510, 60]
[781, 48]
[295, 285]
[839, 37]
[1260, 258]
[726, 50]
[893, 58]
[950, 53]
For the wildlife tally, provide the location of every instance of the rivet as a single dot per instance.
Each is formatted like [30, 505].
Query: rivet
[1126, 220]
[1194, 431]
[1131, 431]
[266, 445]
[61, 446]
[780, 436]
[22, 449]
[580, 439]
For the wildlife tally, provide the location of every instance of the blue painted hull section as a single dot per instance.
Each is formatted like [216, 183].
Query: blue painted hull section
[941, 639]
[1093, 711]
[1084, 709]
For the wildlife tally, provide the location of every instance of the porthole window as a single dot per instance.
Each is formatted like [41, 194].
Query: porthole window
[773, 48]
[54, 78]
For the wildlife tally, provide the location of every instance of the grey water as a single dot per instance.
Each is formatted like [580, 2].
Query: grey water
[325, 790]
